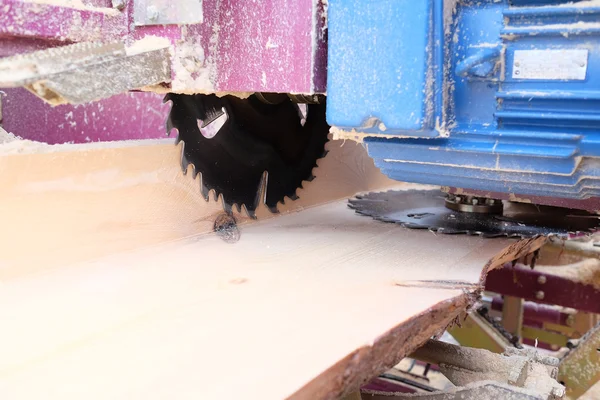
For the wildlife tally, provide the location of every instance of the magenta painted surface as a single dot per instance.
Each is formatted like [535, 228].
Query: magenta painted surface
[128, 116]
[268, 45]
[45, 21]
[10, 46]
[534, 312]
[262, 46]
[97, 3]
[523, 282]
[320, 57]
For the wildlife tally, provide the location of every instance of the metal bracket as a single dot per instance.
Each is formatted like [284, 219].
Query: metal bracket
[86, 72]
[166, 12]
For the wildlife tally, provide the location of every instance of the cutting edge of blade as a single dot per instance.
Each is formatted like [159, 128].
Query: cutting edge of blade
[354, 204]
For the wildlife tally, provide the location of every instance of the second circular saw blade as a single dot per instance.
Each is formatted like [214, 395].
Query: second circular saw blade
[425, 209]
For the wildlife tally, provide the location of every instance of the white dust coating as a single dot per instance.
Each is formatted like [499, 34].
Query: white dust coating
[193, 71]
[317, 34]
[12, 144]
[76, 4]
[325, 5]
[450, 7]
[148, 43]
[572, 4]
[586, 272]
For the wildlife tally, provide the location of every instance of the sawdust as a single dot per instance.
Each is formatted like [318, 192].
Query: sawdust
[355, 136]
[324, 14]
[12, 144]
[148, 43]
[76, 4]
[194, 71]
[586, 272]
[450, 9]
[573, 4]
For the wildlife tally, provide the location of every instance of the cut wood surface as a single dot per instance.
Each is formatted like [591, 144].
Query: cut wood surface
[111, 287]
[311, 303]
[68, 203]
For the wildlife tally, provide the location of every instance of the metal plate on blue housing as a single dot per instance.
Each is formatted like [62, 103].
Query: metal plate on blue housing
[518, 101]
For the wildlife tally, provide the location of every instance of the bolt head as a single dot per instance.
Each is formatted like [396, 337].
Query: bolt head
[539, 295]
[152, 13]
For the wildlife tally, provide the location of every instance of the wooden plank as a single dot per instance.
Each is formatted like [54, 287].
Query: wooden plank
[70, 203]
[111, 287]
[314, 303]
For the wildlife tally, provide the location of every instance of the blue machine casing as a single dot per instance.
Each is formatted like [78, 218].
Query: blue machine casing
[492, 95]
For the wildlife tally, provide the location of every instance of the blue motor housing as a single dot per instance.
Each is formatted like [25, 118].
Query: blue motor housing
[491, 95]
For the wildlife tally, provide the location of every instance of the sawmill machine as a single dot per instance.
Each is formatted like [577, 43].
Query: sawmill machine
[496, 102]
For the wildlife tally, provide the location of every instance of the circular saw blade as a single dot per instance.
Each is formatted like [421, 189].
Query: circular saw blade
[258, 152]
[425, 209]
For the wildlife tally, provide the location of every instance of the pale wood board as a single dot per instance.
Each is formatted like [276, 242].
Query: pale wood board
[110, 286]
[65, 204]
[294, 297]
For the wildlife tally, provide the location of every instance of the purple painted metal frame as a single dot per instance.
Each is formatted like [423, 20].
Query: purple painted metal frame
[527, 284]
[63, 24]
[535, 314]
[135, 115]
[267, 45]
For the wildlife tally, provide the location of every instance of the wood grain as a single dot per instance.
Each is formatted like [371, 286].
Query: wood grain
[308, 301]
[111, 287]
[65, 204]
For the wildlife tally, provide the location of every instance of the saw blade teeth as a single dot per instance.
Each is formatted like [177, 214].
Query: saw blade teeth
[425, 209]
[249, 212]
[184, 164]
[169, 125]
[236, 179]
[227, 207]
[195, 172]
[205, 191]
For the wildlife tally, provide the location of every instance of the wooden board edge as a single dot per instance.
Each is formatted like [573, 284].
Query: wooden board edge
[348, 374]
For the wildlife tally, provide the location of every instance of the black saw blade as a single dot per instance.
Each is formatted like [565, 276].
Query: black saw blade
[260, 152]
[425, 209]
